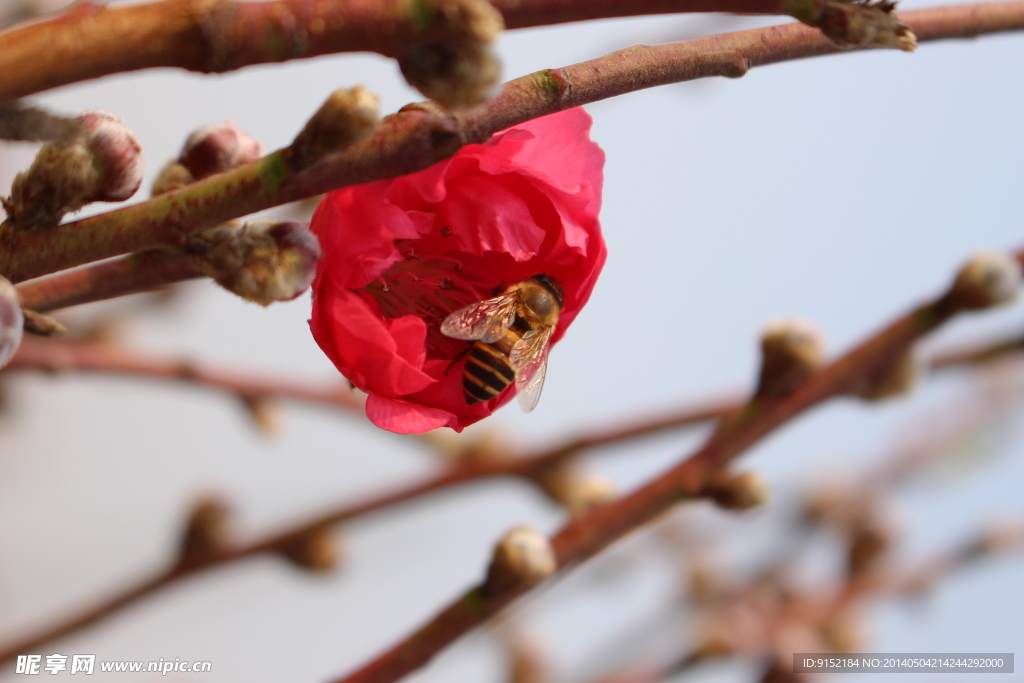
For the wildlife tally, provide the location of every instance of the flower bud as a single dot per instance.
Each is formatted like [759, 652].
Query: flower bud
[1002, 536]
[738, 491]
[988, 279]
[896, 378]
[264, 413]
[102, 164]
[262, 261]
[217, 148]
[456, 73]
[208, 529]
[475, 20]
[862, 24]
[577, 492]
[12, 321]
[348, 115]
[173, 176]
[41, 325]
[317, 550]
[791, 349]
[870, 541]
[522, 559]
[844, 631]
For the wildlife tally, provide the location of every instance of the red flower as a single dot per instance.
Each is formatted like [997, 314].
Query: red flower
[399, 255]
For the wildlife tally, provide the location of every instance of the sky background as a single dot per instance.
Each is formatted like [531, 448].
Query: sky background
[841, 189]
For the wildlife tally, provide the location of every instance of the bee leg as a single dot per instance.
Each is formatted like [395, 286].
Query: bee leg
[462, 354]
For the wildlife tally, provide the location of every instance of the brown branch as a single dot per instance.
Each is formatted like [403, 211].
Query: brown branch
[58, 355]
[582, 538]
[131, 274]
[419, 136]
[47, 354]
[213, 36]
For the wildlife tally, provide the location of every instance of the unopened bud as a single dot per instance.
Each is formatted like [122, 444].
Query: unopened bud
[522, 559]
[103, 164]
[844, 631]
[738, 491]
[12, 322]
[317, 550]
[476, 20]
[457, 74]
[262, 261]
[989, 279]
[208, 529]
[41, 325]
[528, 660]
[217, 148]
[348, 115]
[577, 492]
[864, 24]
[173, 176]
[869, 544]
[896, 378]
[1002, 536]
[791, 349]
[265, 414]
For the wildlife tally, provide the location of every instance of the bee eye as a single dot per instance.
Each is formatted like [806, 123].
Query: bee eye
[543, 304]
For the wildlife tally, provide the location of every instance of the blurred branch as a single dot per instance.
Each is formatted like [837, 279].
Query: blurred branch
[475, 464]
[421, 135]
[587, 535]
[213, 36]
[131, 274]
[59, 355]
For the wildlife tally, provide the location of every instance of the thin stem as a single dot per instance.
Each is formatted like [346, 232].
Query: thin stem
[211, 36]
[47, 354]
[60, 355]
[417, 137]
[582, 538]
[140, 272]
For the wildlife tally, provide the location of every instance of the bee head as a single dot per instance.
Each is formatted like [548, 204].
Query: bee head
[552, 286]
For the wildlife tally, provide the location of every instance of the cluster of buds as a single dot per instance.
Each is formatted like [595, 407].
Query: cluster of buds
[460, 70]
[103, 163]
[212, 149]
[347, 116]
[262, 261]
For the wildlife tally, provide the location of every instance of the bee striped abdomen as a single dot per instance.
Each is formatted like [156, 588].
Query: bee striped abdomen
[488, 371]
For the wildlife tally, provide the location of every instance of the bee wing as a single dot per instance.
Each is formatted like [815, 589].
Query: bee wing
[486, 320]
[529, 359]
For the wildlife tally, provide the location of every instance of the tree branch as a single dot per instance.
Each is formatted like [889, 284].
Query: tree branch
[131, 274]
[214, 36]
[417, 137]
[58, 355]
[582, 538]
[45, 354]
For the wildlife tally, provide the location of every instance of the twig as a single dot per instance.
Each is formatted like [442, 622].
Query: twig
[59, 355]
[212, 36]
[582, 538]
[131, 274]
[417, 137]
[46, 354]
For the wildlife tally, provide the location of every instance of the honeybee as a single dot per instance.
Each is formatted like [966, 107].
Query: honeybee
[512, 332]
